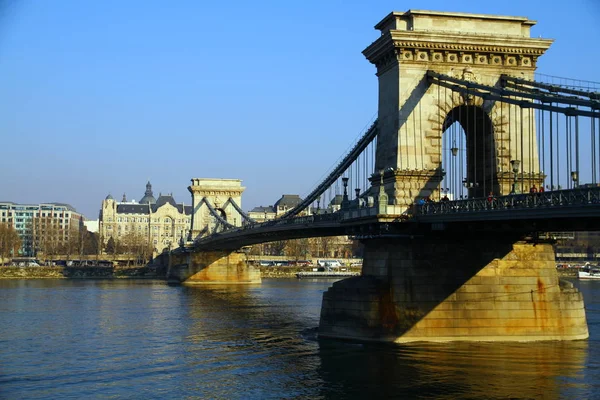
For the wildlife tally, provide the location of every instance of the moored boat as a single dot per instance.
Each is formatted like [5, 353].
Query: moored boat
[588, 273]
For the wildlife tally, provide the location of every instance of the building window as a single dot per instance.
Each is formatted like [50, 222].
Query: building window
[167, 220]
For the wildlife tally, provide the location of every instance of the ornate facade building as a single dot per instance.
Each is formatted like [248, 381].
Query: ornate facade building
[161, 222]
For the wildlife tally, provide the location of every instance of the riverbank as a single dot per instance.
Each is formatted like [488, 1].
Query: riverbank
[567, 272]
[290, 272]
[144, 272]
[43, 272]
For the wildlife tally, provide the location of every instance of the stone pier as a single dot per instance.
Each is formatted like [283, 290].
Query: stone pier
[454, 289]
[211, 267]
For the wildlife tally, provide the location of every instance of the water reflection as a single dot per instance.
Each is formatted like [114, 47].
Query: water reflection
[141, 339]
[548, 370]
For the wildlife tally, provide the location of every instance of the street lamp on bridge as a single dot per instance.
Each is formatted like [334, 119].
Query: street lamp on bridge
[575, 178]
[515, 169]
[345, 200]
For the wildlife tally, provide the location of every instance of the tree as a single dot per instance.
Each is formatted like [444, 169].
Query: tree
[47, 235]
[275, 248]
[91, 241]
[297, 249]
[10, 242]
[111, 246]
[137, 245]
[72, 243]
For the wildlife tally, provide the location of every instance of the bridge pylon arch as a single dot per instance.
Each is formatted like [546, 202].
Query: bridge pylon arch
[412, 112]
[468, 154]
[216, 192]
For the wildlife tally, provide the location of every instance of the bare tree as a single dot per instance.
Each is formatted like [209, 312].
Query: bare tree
[137, 245]
[48, 236]
[10, 242]
[297, 249]
[275, 248]
[72, 243]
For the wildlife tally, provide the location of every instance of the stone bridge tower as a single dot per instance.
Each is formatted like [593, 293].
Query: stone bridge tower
[413, 114]
[218, 193]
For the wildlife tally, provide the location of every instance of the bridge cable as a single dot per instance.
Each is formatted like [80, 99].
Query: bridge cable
[239, 210]
[504, 95]
[218, 216]
[362, 143]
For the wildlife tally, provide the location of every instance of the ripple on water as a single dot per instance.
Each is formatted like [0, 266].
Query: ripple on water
[97, 340]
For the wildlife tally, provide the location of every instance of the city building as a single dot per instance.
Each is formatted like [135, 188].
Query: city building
[31, 220]
[332, 246]
[92, 225]
[281, 206]
[161, 222]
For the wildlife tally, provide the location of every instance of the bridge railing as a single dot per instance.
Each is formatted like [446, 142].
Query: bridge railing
[553, 199]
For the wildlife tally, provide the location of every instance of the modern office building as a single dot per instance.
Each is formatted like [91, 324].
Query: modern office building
[26, 217]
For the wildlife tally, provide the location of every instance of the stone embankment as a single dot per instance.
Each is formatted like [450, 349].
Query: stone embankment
[567, 272]
[142, 272]
[290, 272]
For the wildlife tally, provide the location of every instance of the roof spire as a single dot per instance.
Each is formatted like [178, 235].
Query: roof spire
[148, 196]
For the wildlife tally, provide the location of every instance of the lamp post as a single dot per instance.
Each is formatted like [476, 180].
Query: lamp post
[515, 169]
[345, 198]
[575, 178]
[469, 186]
[318, 211]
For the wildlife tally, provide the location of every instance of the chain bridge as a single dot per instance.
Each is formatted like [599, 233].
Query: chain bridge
[472, 159]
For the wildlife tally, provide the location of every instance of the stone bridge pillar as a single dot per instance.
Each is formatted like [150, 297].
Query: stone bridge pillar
[217, 192]
[210, 267]
[451, 288]
[413, 114]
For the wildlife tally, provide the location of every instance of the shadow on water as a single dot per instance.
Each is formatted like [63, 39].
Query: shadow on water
[455, 370]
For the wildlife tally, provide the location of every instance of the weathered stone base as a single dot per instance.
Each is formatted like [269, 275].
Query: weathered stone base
[216, 267]
[454, 290]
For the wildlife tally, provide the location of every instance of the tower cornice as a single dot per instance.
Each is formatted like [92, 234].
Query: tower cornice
[440, 48]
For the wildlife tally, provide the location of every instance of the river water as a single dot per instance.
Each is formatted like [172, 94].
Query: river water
[63, 339]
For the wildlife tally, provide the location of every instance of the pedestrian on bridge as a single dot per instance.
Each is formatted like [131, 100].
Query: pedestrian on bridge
[533, 189]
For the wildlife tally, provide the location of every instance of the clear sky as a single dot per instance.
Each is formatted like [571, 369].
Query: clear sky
[98, 97]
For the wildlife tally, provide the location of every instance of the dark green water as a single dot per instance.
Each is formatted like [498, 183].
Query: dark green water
[65, 339]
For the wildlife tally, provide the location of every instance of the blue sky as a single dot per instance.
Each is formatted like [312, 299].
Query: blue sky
[98, 97]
